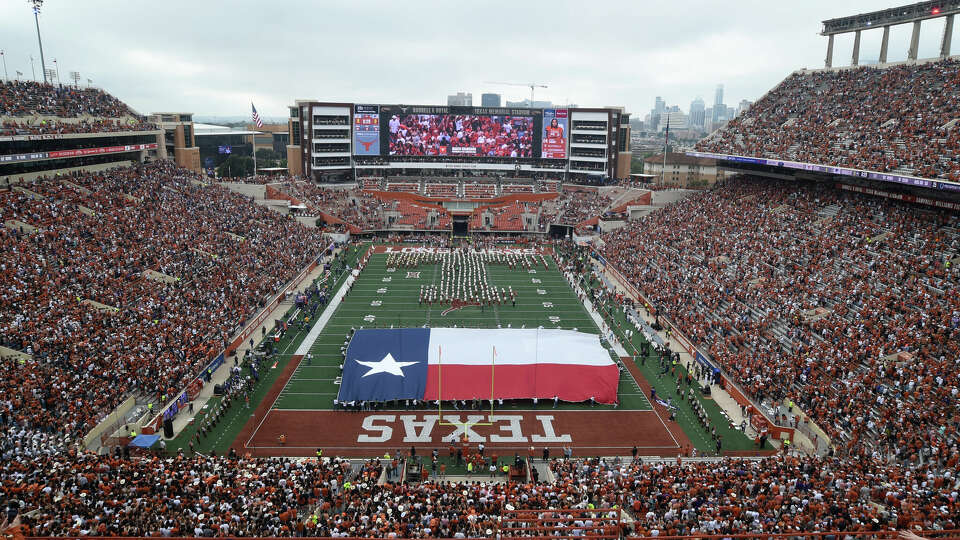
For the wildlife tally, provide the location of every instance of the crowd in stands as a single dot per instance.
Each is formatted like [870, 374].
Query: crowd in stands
[877, 119]
[776, 495]
[352, 206]
[738, 268]
[847, 305]
[231, 496]
[574, 207]
[27, 98]
[45, 127]
[126, 281]
[360, 209]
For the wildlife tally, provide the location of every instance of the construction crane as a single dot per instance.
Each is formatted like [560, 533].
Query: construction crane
[532, 86]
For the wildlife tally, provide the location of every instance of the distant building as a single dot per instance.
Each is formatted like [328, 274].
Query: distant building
[682, 170]
[697, 113]
[744, 106]
[490, 100]
[274, 137]
[677, 120]
[179, 138]
[526, 104]
[719, 107]
[217, 143]
[460, 99]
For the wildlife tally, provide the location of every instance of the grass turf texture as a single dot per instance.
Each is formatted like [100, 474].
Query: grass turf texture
[315, 386]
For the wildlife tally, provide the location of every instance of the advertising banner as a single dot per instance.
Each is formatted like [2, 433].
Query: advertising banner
[366, 130]
[554, 144]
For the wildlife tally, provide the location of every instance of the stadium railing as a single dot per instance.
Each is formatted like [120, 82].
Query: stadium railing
[953, 534]
[559, 523]
[192, 389]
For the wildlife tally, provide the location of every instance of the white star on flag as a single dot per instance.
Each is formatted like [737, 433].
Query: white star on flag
[387, 365]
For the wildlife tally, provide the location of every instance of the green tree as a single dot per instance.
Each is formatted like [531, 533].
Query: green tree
[236, 166]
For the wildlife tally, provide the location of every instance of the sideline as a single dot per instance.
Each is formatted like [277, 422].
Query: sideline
[305, 345]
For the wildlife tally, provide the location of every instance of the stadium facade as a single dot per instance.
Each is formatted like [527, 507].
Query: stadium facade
[28, 155]
[332, 141]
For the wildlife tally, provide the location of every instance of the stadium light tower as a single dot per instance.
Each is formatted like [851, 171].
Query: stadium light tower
[36, 18]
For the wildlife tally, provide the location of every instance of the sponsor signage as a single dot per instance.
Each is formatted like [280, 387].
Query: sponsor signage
[79, 152]
[883, 177]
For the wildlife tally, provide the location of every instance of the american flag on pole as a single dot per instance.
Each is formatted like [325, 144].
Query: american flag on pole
[256, 117]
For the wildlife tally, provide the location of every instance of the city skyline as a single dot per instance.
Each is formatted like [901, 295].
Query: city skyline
[666, 51]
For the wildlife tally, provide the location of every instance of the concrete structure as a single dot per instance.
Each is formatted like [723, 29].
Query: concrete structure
[323, 144]
[489, 100]
[26, 154]
[911, 14]
[460, 100]
[682, 170]
[274, 137]
[179, 138]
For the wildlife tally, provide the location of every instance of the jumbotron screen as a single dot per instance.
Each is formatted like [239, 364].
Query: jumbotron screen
[461, 135]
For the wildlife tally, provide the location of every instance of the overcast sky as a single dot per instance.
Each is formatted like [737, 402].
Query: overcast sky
[211, 57]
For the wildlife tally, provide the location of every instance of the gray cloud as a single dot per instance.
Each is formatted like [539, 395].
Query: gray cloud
[213, 57]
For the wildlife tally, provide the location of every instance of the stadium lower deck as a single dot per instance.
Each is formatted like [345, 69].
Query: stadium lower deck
[300, 405]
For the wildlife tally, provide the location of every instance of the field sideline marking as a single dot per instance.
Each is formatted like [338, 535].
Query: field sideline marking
[331, 307]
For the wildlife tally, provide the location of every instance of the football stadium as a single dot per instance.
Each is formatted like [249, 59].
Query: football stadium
[458, 321]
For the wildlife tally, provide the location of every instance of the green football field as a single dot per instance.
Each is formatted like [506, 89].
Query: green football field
[388, 297]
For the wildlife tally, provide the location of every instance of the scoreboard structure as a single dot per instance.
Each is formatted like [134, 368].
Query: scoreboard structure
[330, 140]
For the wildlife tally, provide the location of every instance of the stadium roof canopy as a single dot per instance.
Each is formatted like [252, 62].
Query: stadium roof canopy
[885, 17]
[201, 130]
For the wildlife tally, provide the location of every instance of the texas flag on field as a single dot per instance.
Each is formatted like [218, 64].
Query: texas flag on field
[459, 363]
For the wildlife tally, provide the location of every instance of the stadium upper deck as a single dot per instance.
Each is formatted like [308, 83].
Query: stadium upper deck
[893, 123]
[47, 129]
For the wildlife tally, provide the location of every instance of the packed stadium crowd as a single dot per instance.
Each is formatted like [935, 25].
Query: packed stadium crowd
[436, 135]
[45, 127]
[876, 119]
[807, 293]
[130, 280]
[573, 207]
[127, 281]
[87, 495]
[27, 98]
[352, 206]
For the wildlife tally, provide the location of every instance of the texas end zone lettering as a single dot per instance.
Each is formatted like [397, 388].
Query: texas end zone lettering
[421, 428]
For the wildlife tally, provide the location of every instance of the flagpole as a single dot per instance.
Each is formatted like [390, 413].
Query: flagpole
[253, 139]
[493, 361]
